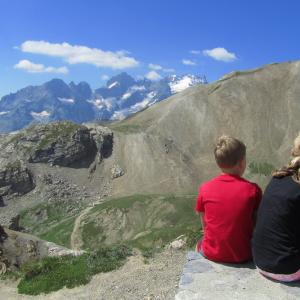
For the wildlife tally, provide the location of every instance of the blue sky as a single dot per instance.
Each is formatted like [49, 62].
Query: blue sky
[91, 40]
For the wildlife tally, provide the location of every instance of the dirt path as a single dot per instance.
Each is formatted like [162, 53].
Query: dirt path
[136, 280]
[76, 238]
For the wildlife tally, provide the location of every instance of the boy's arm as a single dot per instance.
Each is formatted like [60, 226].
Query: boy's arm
[199, 209]
[201, 215]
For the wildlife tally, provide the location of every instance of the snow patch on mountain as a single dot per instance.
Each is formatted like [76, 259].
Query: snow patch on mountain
[66, 100]
[126, 95]
[123, 113]
[41, 116]
[132, 90]
[179, 84]
[2, 113]
[113, 84]
[98, 103]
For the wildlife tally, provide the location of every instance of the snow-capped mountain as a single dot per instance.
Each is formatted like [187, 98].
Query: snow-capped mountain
[56, 100]
[123, 95]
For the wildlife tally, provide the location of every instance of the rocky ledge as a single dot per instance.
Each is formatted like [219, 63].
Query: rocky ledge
[16, 248]
[15, 177]
[59, 143]
[206, 280]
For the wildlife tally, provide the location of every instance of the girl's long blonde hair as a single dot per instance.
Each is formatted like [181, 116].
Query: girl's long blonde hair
[293, 168]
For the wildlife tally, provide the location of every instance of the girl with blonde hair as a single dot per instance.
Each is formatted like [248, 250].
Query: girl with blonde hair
[276, 240]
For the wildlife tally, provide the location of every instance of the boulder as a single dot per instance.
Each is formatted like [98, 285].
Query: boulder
[15, 177]
[14, 223]
[116, 171]
[178, 243]
[18, 248]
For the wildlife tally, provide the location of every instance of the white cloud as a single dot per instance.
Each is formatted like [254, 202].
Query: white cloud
[155, 67]
[188, 62]
[196, 52]
[104, 77]
[153, 75]
[169, 70]
[160, 68]
[75, 54]
[220, 54]
[31, 67]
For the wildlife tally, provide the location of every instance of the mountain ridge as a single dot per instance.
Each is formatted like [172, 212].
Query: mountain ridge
[56, 100]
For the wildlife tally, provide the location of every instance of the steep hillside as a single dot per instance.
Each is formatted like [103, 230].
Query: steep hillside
[169, 146]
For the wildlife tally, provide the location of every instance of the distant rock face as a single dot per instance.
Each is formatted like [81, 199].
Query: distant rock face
[124, 96]
[63, 144]
[59, 143]
[15, 177]
[66, 148]
[55, 100]
[103, 138]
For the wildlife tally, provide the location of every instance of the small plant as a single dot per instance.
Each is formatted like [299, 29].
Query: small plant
[192, 237]
[263, 168]
[14, 166]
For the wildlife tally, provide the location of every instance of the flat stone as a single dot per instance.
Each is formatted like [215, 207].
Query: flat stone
[186, 279]
[203, 279]
[195, 266]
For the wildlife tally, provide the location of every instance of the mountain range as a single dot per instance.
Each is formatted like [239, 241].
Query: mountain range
[55, 100]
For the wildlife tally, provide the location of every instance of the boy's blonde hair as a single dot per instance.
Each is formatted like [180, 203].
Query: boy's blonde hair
[229, 151]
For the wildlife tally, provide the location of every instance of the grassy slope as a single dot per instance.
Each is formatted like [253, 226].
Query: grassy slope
[53, 222]
[140, 225]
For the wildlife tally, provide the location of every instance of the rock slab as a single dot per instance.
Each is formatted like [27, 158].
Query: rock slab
[202, 279]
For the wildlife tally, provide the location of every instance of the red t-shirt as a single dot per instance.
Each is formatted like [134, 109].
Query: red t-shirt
[228, 202]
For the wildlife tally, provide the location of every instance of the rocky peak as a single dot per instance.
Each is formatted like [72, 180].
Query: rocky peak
[81, 91]
[122, 79]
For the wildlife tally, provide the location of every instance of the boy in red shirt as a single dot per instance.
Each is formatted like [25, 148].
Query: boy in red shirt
[227, 205]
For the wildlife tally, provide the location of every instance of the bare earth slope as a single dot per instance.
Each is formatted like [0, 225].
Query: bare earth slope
[168, 147]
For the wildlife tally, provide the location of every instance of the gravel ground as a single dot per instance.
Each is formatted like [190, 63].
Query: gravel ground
[156, 279]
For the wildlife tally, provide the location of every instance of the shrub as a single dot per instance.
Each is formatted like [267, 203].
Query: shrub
[53, 273]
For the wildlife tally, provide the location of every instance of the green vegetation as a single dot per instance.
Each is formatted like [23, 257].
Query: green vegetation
[14, 166]
[54, 130]
[126, 128]
[15, 138]
[146, 222]
[261, 168]
[193, 236]
[240, 73]
[53, 221]
[61, 233]
[53, 273]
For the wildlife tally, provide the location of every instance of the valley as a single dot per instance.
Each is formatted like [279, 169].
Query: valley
[134, 181]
